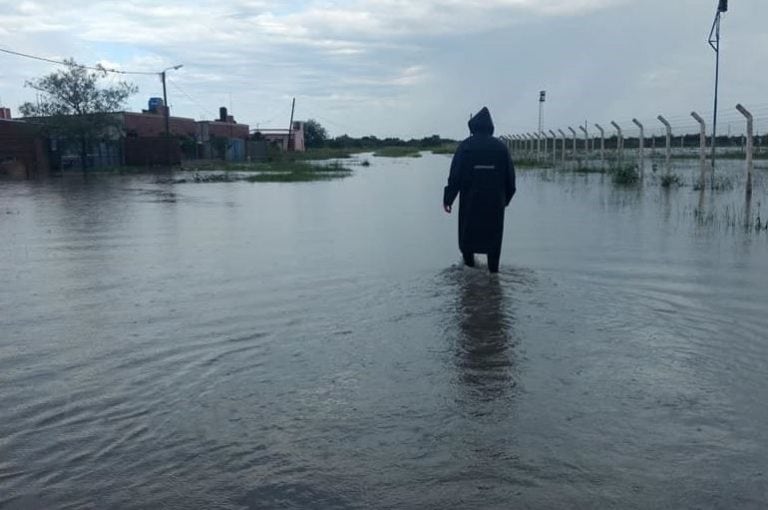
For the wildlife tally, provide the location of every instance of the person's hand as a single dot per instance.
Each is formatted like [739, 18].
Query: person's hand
[447, 208]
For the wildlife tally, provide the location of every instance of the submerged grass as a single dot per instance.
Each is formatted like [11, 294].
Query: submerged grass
[669, 180]
[300, 172]
[733, 217]
[625, 175]
[530, 163]
[589, 169]
[721, 183]
[273, 171]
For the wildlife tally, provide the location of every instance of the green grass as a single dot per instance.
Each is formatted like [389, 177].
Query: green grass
[397, 152]
[320, 154]
[445, 149]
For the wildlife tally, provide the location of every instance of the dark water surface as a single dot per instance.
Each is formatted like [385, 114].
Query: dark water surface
[243, 346]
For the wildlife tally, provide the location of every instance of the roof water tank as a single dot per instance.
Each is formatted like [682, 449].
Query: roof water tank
[155, 103]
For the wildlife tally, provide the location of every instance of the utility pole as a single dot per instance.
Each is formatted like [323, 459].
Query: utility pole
[167, 111]
[290, 128]
[542, 99]
[714, 42]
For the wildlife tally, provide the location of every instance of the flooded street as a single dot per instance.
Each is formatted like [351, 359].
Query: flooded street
[318, 345]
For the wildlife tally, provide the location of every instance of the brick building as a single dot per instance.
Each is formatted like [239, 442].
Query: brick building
[223, 138]
[281, 137]
[137, 139]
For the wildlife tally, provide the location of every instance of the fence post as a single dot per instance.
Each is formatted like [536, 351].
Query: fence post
[562, 137]
[573, 131]
[669, 142]
[702, 147]
[586, 140]
[602, 143]
[619, 143]
[750, 141]
[554, 147]
[641, 147]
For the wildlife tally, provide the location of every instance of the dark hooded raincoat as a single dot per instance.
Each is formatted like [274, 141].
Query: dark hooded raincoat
[483, 174]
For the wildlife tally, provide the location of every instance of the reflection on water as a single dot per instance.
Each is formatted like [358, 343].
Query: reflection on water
[485, 320]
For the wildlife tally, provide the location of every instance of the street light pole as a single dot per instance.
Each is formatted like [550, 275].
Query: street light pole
[714, 42]
[167, 111]
[542, 98]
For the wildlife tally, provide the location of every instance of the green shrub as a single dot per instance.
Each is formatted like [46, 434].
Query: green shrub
[669, 180]
[626, 175]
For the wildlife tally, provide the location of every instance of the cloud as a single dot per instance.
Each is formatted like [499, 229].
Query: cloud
[395, 67]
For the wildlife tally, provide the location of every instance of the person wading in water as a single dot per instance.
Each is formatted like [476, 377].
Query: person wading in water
[483, 174]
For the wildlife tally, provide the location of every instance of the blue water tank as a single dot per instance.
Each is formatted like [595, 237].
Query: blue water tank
[155, 103]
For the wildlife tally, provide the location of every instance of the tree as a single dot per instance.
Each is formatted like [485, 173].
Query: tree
[315, 135]
[74, 107]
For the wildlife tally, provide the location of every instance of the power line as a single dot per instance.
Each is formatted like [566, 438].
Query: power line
[203, 109]
[59, 62]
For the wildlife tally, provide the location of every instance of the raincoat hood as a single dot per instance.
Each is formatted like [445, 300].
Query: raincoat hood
[481, 123]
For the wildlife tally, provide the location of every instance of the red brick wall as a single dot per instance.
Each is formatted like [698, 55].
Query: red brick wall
[227, 130]
[150, 151]
[21, 143]
[151, 125]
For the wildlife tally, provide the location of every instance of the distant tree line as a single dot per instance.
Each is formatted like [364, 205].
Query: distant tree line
[316, 136]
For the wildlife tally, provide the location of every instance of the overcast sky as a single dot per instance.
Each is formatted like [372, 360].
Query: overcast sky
[407, 68]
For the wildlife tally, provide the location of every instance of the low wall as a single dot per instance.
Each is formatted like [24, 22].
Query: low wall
[151, 151]
[23, 152]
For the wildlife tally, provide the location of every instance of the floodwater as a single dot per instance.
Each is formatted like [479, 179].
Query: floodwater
[318, 345]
